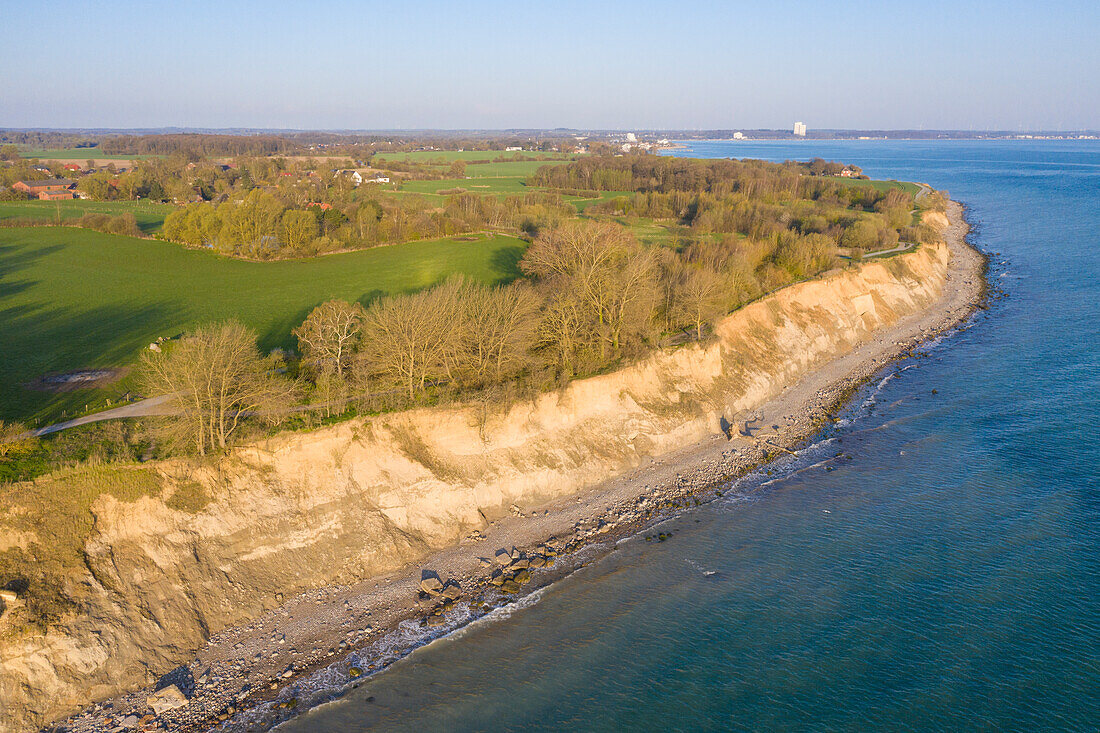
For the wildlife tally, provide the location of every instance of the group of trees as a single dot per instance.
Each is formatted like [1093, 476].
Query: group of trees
[269, 225]
[757, 179]
[196, 146]
[217, 379]
[593, 296]
[785, 204]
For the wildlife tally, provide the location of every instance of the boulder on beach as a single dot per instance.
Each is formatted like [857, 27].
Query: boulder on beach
[452, 590]
[166, 699]
[503, 557]
[431, 584]
[127, 723]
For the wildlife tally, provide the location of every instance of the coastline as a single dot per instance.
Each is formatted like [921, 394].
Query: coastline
[311, 633]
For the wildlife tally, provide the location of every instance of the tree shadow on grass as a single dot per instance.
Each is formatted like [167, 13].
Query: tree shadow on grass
[505, 262]
[40, 340]
[17, 257]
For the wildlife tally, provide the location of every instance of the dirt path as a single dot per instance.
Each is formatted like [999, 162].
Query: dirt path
[143, 408]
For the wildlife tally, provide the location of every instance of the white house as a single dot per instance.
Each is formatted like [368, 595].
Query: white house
[353, 175]
[358, 178]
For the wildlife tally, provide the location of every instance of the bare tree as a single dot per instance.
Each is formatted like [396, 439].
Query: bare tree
[561, 330]
[406, 337]
[603, 285]
[628, 301]
[329, 335]
[215, 377]
[495, 331]
[702, 295]
[298, 228]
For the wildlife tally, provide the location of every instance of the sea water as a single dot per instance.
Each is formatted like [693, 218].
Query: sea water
[932, 562]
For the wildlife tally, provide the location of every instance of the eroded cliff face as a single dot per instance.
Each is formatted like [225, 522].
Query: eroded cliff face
[370, 495]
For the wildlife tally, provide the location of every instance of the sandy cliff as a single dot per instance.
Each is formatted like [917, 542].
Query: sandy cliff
[368, 496]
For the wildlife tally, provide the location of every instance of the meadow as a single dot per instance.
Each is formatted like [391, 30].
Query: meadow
[73, 299]
[910, 188]
[521, 168]
[512, 184]
[149, 215]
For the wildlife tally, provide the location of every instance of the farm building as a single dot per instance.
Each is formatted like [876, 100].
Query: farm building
[57, 195]
[58, 188]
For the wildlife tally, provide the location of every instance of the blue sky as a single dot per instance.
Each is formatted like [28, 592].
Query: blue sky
[965, 64]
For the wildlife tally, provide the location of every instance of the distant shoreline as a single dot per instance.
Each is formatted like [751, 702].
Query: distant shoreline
[880, 138]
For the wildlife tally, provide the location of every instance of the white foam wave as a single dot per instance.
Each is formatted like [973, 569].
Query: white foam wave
[327, 684]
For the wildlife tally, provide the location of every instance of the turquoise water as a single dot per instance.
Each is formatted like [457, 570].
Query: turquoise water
[944, 577]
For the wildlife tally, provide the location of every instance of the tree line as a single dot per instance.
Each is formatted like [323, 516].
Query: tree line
[267, 225]
[592, 297]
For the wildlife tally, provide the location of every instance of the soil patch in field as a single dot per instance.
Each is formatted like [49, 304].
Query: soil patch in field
[79, 379]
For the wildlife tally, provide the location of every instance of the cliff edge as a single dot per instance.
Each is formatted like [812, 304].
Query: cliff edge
[368, 496]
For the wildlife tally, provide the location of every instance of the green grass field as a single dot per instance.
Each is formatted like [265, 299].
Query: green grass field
[80, 154]
[584, 203]
[910, 188]
[520, 169]
[149, 215]
[72, 298]
[473, 185]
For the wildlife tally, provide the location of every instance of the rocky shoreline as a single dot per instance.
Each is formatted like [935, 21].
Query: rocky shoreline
[320, 643]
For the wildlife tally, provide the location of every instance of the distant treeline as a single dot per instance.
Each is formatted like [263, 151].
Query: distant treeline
[756, 178]
[754, 199]
[198, 146]
[45, 140]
